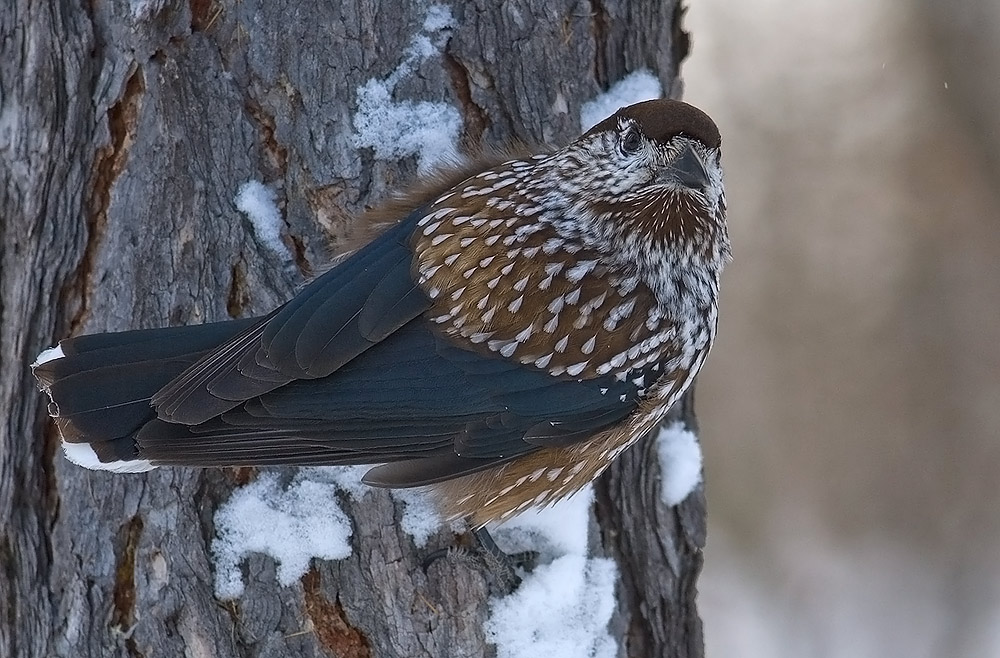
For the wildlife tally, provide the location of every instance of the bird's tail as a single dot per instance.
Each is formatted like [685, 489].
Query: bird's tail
[100, 386]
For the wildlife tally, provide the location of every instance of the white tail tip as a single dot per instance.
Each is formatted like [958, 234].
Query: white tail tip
[51, 354]
[82, 454]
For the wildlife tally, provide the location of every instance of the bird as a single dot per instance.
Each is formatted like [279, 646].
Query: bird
[512, 326]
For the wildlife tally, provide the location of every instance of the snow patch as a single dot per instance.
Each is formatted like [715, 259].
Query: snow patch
[292, 524]
[438, 18]
[420, 516]
[347, 478]
[680, 462]
[561, 611]
[562, 608]
[635, 87]
[397, 129]
[145, 8]
[259, 203]
[559, 529]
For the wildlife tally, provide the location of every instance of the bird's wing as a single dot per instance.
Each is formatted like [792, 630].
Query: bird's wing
[338, 316]
[416, 399]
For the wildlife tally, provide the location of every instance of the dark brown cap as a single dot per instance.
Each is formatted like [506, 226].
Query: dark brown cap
[663, 119]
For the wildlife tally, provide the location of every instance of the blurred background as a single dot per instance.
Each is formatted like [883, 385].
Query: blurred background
[851, 411]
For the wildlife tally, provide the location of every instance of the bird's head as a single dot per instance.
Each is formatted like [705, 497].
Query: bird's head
[652, 172]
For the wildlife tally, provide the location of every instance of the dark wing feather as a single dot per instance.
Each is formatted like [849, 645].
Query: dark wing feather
[188, 397]
[338, 316]
[433, 410]
[399, 301]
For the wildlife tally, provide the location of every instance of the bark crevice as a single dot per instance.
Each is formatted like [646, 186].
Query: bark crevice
[599, 30]
[474, 120]
[108, 165]
[331, 627]
[123, 614]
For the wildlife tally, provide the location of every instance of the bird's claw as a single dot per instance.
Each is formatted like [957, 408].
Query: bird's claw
[500, 568]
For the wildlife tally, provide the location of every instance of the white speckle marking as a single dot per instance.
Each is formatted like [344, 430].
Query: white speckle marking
[552, 245]
[580, 270]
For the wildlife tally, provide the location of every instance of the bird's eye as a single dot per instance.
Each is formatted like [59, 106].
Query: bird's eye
[631, 142]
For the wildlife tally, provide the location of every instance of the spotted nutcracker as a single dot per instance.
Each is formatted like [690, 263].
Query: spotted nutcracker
[521, 323]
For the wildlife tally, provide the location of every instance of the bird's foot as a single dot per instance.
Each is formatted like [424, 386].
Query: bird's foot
[501, 569]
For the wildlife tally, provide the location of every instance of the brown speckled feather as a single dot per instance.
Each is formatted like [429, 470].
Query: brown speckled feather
[503, 283]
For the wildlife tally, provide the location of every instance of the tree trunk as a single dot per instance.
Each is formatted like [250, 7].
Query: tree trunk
[126, 129]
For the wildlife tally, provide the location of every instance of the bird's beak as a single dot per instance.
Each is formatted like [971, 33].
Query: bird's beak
[688, 170]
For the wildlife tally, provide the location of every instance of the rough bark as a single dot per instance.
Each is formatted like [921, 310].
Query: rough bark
[125, 131]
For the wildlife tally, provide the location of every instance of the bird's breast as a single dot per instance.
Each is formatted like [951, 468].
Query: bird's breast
[510, 286]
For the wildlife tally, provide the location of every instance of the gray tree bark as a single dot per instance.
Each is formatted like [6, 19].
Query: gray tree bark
[126, 129]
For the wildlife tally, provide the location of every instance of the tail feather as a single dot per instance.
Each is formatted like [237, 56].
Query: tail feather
[112, 400]
[119, 455]
[100, 386]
